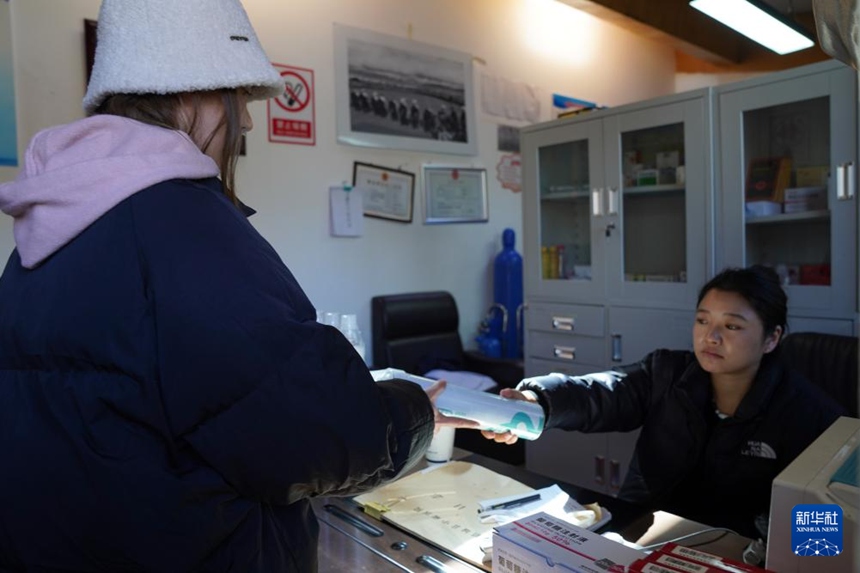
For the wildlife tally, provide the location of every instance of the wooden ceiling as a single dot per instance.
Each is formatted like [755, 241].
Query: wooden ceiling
[703, 45]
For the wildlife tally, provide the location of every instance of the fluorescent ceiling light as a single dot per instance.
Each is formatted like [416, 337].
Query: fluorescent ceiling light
[757, 22]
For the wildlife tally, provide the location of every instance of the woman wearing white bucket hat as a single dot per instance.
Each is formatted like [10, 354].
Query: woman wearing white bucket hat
[168, 401]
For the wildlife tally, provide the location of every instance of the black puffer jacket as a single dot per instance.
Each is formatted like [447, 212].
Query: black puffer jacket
[687, 460]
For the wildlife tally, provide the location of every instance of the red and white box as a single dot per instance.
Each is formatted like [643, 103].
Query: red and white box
[800, 199]
[663, 563]
[674, 558]
[541, 543]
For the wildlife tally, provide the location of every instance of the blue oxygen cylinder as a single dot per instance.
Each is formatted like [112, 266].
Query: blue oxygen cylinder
[508, 292]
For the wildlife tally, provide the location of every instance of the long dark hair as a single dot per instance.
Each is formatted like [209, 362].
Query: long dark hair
[760, 286]
[163, 110]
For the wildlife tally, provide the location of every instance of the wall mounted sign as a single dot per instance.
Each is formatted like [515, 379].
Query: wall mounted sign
[291, 114]
[509, 172]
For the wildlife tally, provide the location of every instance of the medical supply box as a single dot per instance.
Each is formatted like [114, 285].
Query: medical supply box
[674, 558]
[541, 543]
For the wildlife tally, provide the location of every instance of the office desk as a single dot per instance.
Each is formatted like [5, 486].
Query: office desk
[350, 545]
[352, 541]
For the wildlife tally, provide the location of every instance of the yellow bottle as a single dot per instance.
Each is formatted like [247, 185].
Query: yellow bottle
[544, 262]
[560, 259]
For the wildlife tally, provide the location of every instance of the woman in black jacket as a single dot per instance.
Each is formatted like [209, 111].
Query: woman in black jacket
[717, 424]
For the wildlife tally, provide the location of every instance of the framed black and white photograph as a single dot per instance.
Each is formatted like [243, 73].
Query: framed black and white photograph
[455, 194]
[387, 193]
[396, 93]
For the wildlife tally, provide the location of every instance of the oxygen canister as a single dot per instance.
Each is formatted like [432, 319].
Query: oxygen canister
[508, 292]
[492, 412]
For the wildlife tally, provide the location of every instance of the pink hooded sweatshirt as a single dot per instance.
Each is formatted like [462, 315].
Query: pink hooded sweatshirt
[75, 173]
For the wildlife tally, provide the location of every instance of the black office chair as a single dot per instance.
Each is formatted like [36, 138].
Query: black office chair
[418, 332]
[827, 360]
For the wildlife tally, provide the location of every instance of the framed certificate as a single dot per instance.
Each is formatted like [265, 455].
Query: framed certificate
[387, 193]
[455, 194]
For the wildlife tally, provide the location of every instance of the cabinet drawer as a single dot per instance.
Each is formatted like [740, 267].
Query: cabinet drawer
[567, 318]
[566, 348]
[539, 367]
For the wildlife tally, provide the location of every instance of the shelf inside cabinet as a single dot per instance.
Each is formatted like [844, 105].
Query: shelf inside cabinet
[654, 188]
[819, 215]
[566, 195]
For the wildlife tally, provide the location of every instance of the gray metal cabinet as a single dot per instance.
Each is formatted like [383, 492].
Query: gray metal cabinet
[600, 461]
[806, 119]
[672, 329]
[563, 178]
[616, 204]
[617, 215]
[567, 334]
[657, 233]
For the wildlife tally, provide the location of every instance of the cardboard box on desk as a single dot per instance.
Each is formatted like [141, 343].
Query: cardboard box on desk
[541, 543]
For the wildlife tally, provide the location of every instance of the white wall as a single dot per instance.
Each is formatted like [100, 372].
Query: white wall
[537, 42]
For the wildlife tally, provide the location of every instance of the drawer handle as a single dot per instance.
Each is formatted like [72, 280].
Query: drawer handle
[563, 322]
[616, 348]
[432, 564]
[599, 475]
[565, 352]
[353, 520]
[614, 475]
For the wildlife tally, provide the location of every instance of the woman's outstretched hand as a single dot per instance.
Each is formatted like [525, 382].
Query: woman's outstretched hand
[433, 393]
[511, 394]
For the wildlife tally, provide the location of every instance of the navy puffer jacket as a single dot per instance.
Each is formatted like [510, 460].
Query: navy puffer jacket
[168, 401]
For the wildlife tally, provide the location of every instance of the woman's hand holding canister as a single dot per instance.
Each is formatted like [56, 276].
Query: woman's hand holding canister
[510, 394]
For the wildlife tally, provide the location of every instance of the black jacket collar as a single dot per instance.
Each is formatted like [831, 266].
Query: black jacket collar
[697, 382]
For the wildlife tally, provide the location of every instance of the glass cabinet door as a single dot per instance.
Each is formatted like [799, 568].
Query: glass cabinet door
[564, 248]
[789, 152]
[656, 202]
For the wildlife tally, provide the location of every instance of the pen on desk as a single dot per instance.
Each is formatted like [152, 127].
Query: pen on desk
[515, 502]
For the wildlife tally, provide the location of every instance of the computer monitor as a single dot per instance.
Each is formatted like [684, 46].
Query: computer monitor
[824, 473]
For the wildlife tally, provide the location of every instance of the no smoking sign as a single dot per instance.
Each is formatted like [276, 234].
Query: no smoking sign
[291, 114]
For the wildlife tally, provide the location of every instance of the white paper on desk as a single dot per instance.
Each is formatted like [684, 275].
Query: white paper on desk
[553, 501]
[347, 211]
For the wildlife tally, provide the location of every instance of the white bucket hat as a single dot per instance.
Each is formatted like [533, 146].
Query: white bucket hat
[171, 46]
